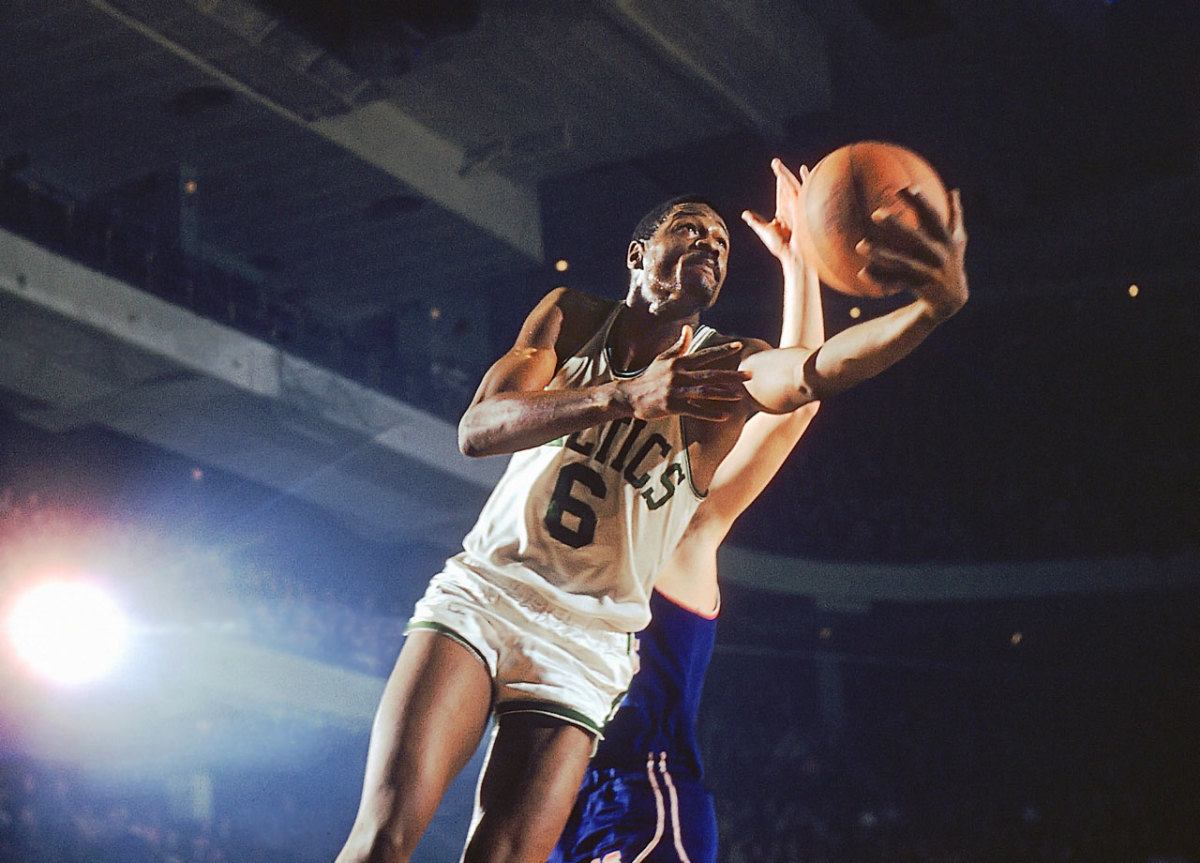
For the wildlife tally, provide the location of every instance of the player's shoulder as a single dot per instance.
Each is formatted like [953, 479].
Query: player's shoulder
[576, 303]
[563, 320]
[579, 316]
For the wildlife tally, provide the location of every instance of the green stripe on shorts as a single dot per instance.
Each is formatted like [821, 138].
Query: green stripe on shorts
[549, 708]
[453, 635]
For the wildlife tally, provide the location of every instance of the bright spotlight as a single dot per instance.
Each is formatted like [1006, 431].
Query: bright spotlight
[69, 631]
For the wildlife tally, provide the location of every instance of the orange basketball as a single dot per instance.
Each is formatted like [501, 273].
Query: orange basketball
[841, 193]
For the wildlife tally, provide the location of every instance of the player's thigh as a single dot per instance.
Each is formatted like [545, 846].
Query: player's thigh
[430, 720]
[534, 767]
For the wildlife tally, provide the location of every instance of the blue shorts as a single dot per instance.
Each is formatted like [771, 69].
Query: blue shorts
[651, 817]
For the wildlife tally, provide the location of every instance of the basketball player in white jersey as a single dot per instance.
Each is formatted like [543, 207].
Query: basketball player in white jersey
[617, 416]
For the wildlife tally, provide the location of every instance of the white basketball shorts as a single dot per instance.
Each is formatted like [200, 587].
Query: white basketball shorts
[542, 659]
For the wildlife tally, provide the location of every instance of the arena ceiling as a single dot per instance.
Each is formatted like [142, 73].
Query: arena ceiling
[359, 156]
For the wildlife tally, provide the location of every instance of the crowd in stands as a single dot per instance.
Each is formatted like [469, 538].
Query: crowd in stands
[135, 248]
[923, 766]
[933, 766]
[58, 814]
[288, 617]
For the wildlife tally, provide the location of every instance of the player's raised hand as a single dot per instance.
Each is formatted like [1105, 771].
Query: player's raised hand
[686, 384]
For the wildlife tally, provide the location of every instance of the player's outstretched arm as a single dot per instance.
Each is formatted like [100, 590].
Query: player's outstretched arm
[689, 576]
[512, 410]
[929, 259]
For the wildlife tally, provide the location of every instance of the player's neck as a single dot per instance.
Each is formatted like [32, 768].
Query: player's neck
[638, 336]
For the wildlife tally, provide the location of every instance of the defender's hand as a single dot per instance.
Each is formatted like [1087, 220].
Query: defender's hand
[777, 234]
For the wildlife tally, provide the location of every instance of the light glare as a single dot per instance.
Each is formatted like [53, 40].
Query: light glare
[69, 631]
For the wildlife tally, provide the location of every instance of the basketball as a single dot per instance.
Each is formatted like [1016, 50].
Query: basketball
[839, 196]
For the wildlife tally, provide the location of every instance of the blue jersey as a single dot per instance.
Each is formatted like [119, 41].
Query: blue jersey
[659, 712]
[642, 798]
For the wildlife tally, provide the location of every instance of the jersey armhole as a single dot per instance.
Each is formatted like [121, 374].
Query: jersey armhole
[707, 615]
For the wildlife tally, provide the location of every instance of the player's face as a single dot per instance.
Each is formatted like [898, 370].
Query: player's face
[683, 264]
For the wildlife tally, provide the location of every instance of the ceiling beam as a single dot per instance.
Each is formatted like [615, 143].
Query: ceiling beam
[85, 348]
[382, 135]
[788, 74]
[634, 18]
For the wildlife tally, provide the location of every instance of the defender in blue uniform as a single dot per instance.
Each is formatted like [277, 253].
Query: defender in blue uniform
[643, 799]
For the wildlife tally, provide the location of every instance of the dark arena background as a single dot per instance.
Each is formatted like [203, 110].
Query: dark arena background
[256, 254]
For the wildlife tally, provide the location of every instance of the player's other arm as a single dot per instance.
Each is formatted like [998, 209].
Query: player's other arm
[512, 410]
[768, 439]
[689, 576]
[927, 261]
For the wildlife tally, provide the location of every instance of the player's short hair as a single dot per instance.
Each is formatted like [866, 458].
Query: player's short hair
[650, 222]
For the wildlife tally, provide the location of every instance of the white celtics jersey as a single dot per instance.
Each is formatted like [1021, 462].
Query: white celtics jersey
[588, 520]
